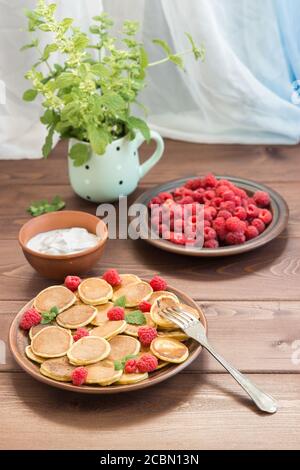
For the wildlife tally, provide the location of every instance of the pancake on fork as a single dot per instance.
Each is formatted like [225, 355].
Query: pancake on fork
[163, 302]
[88, 350]
[159, 293]
[169, 350]
[95, 291]
[54, 296]
[76, 316]
[103, 373]
[52, 342]
[134, 293]
[58, 369]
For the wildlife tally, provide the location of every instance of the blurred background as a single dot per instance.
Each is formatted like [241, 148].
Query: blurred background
[246, 91]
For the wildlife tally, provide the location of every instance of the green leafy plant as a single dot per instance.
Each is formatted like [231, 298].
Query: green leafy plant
[120, 365]
[42, 207]
[49, 316]
[86, 98]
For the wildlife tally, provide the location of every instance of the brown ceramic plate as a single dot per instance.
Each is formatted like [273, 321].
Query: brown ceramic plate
[18, 340]
[279, 209]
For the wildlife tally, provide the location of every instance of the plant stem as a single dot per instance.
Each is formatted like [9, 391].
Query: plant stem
[166, 59]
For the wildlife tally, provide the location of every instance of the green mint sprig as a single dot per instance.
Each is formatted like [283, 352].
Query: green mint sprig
[120, 365]
[43, 207]
[49, 316]
[136, 318]
[120, 302]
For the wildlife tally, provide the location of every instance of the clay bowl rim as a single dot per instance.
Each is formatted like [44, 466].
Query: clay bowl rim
[59, 214]
[17, 340]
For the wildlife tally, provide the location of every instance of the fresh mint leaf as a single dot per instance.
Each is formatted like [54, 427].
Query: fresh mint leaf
[119, 365]
[140, 125]
[79, 153]
[49, 316]
[98, 138]
[30, 95]
[120, 302]
[48, 145]
[42, 207]
[136, 318]
[164, 45]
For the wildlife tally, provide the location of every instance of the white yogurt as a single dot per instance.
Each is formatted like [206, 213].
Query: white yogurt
[65, 241]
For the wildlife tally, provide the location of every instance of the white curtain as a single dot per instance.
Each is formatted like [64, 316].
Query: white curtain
[242, 93]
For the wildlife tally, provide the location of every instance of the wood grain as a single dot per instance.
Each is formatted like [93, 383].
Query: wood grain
[189, 411]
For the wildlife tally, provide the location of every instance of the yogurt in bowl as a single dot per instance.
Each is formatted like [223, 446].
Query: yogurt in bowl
[64, 241]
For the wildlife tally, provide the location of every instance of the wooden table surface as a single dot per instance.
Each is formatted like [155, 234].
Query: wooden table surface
[252, 305]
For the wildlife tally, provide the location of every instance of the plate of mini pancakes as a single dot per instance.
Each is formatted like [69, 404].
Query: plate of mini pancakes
[49, 353]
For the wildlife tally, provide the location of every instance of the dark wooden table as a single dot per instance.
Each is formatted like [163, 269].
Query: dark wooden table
[252, 304]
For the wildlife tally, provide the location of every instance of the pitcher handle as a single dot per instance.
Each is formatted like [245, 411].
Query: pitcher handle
[160, 146]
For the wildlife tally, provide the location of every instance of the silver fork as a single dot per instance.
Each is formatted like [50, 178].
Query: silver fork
[194, 329]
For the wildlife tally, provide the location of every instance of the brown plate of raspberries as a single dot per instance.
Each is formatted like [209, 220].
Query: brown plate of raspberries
[212, 215]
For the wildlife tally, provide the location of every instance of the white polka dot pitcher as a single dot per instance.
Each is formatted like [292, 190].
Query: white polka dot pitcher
[104, 178]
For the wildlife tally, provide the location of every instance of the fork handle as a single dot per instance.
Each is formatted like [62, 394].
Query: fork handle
[263, 401]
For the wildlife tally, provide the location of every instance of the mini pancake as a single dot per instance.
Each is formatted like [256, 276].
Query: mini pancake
[122, 346]
[88, 350]
[58, 369]
[132, 378]
[33, 357]
[95, 291]
[54, 296]
[189, 309]
[134, 293]
[35, 329]
[109, 329]
[159, 293]
[51, 342]
[126, 280]
[169, 350]
[101, 315]
[103, 373]
[164, 301]
[175, 334]
[132, 330]
[76, 316]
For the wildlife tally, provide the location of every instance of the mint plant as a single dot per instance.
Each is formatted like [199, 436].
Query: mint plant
[86, 98]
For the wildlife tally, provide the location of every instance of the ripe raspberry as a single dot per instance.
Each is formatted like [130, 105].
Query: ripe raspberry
[237, 200]
[234, 224]
[72, 282]
[147, 363]
[155, 201]
[225, 214]
[116, 314]
[207, 223]
[210, 181]
[131, 366]
[112, 277]
[186, 200]
[164, 196]
[262, 198]
[216, 202]
[221, 189]
[209, 195]
[80, 333]
[266, 216]
[239, 192]
[177, 238]
[193, 184]
[240, 212]
[211, 243]
[144, 306]
[228, 206]
[235, 238]
[219, 223]
[199, 195]
[158, 283]
[30, 318]
[229, 196]
[252, 211]
[225, 183]
[251, 232]
[147, 334]
[209, 233]
[259, 224]
[79, 375]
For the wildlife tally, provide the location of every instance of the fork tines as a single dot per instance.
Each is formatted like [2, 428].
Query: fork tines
[179, 316]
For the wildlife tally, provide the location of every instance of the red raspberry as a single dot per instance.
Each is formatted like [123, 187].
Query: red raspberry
[216, 202]
[209, 195]
[213, 211]
[210, 181]
[186, 200]
[259, 224]
[211, 244]
[225, 214]
[207, 223]
[235, 238]
[228, 206]
[252, 211]
[209, 233]
[251, 232]
[240, 212]
[221, 189]
[144, 306]
[262, 198]
[164, 196]
[193, 184]
[30, 318]
[147, 363]
[72, 282]
[234, 224]
[229, 196]
[199, 195]
[112, 277]
[158, 283]
[219, 223]
[79, 375]
[207, 214]
[155, 201]
[237, 200]
[226, 183]
[131, 366]
[116, 314]
[177, 238]
[266, 216]
[147, 334]
[178, 225]
[239, 192]
[80, 333]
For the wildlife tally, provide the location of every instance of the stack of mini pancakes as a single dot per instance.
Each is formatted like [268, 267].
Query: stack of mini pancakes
[52, 345]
